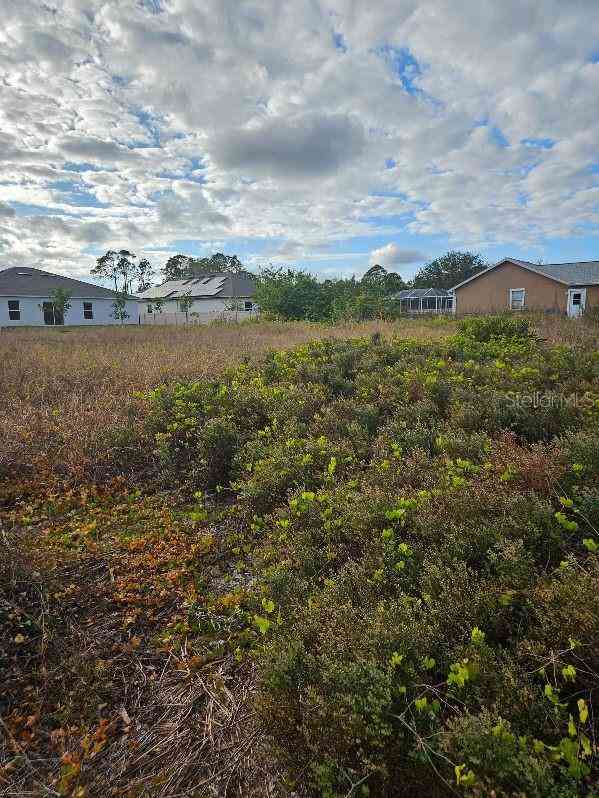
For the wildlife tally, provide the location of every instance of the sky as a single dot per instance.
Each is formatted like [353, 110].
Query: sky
[323, 135]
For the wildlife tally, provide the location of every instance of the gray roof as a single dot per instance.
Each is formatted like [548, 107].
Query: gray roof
[581, 273]
[420, 293]
[219, 284]
[25, 281]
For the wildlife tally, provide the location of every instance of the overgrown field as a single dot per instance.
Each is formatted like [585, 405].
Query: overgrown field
[68, 396]
[358, 567]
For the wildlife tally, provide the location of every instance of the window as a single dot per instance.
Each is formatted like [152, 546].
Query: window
[248, 305]
[14, 311]
[517, 298]
[52, 315]
[577, 299]
[88, 310]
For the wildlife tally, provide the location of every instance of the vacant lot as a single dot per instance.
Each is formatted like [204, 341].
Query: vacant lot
[354, 567]
[63, 392]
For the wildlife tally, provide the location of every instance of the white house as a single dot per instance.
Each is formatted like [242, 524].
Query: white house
[202, 297]
[25, 300]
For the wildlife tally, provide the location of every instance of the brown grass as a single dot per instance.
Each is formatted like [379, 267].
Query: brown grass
[64, 392]
[94, 669]
[572, 332]
[92, 696]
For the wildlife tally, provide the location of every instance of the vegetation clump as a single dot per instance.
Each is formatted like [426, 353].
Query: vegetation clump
[423, 525]
[360, 566]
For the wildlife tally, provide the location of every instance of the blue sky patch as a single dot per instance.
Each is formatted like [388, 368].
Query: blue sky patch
[403, 65]
[339, 42]
[27, 209]
[542, 144]
[497, 137]
[148, 122]
[72, 166]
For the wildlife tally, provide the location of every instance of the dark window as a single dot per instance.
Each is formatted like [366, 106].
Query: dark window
[576, 299]
[248, 305]
[88, 310]
[51, 314]
[14, 311]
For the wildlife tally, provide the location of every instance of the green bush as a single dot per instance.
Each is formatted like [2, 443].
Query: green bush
[485, 328]
[425, 541]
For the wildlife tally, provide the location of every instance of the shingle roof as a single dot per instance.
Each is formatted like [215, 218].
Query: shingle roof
[581, 273]
[419, 293]
[218, 284]
[25, 281]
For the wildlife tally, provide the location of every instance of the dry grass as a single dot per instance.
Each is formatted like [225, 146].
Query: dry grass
[91, 697]
[94, 701]
[572, 332]
[63, 392]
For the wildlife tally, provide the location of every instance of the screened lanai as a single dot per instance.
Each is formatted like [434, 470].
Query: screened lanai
[425, 300]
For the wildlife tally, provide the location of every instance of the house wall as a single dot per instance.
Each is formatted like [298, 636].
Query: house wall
[592, 296]
[491, 292]
[32, 315]
[211, 305]
[198, 306]
[201, 311]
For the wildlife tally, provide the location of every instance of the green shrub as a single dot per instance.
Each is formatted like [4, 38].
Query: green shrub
[512, 764]
[485, 328]
[426, 540]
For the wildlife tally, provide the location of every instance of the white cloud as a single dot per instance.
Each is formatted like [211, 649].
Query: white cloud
[216, 121]
[393, 257]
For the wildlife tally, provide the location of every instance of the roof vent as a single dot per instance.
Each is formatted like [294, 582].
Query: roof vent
[23, 274]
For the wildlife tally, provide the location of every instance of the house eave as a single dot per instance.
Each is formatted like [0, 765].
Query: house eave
[127, 297]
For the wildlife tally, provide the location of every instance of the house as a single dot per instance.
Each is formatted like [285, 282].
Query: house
[26, 300]
[567, 288]
[203, 297]
[425, 300]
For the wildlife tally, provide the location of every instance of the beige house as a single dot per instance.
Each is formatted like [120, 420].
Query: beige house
[567, 288]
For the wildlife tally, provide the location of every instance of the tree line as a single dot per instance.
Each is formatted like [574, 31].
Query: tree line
[296, 293]
[130, 273]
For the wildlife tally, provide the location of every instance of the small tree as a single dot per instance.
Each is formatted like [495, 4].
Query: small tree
[119, 309]
[143, 272]
[185, 303]
[234, 305]
[177, 267]
[61, 304]
[123, 268]
[182, 267]
[106, 267]
[449, 270]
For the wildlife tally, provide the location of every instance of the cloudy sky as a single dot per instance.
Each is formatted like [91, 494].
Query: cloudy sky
[329, 135]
